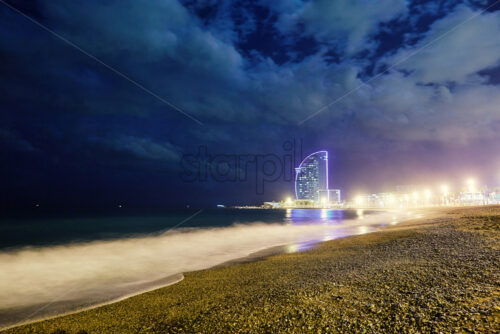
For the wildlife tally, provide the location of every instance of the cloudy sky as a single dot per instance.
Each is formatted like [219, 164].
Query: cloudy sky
[397, 91]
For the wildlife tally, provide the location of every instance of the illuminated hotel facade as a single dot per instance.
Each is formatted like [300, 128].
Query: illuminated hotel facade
[311, 180]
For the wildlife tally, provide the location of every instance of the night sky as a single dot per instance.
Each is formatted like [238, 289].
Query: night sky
[74, 133]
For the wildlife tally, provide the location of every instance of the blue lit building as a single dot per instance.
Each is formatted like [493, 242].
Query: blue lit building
[312, 176]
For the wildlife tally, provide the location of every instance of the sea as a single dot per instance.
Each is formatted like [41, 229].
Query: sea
[54, 262]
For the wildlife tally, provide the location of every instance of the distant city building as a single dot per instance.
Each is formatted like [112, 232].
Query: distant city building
[271, 205]
[413, 196]
[312, 176]
[493, 197]
[329, 196]
[305, 203]
[472, 197]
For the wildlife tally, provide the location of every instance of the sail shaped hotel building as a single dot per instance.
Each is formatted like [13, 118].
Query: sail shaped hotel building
[311, 179]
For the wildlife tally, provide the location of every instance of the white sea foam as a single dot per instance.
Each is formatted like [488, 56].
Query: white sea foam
[89, 271]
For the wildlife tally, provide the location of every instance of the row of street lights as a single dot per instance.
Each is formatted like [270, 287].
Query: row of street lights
[416, 197]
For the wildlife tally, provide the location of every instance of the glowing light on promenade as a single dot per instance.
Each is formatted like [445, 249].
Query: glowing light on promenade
[394, 220]
[442, 194]
[391, 199]
[363, 229]
[428, 194]
[445, 190]
[415, 197]
[471, 185]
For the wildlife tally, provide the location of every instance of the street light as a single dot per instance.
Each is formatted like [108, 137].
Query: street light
[428, 194]
[445, 190]
[471, 184]
[415, 195]
[391, 199]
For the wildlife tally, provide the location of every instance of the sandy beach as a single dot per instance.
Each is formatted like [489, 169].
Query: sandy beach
[435, 274]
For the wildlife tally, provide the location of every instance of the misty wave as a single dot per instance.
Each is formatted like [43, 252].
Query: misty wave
[90, 271]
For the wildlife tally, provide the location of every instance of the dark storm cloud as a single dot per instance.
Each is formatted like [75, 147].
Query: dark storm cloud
[143, 148]
[449, 60]
[346, 24]
[250, 71]
[14, 141]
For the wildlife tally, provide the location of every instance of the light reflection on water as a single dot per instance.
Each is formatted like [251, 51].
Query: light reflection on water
[341, 226]
[302, 217]
[363, 229]
[299, 247]
[313, 216]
